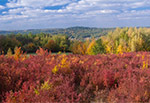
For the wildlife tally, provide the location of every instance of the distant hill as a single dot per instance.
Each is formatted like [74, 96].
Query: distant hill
[72, 32]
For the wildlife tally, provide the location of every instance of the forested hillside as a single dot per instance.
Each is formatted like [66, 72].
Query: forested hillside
[73, 32]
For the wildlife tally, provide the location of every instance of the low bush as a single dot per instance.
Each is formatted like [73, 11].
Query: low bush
[47, 78]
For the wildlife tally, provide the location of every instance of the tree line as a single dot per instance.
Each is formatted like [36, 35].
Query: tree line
[30, 43]
[117, 41]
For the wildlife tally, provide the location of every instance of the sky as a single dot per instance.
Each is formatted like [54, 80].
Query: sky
[40, 14]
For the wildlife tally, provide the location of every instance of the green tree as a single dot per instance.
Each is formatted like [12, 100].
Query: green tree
[98, 48]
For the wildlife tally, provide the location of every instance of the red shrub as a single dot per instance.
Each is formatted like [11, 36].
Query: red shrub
[76, 78]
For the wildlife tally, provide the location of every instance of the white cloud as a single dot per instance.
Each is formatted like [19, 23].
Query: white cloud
[6, 17]
[2, 7]
[37, 3]
[133, 14]
[73, 12]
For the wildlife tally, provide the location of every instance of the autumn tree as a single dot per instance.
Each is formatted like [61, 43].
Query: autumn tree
[9, 52]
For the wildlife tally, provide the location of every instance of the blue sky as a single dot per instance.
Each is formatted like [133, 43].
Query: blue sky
[37, 14]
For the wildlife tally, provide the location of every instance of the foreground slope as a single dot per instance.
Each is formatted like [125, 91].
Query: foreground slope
[75, 78]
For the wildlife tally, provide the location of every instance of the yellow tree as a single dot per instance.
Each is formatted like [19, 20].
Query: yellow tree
[18, 53]
[82, 48]
[120, 49]
[89, 49]
[9, 52]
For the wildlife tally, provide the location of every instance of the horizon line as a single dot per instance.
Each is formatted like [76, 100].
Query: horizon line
[76, 27]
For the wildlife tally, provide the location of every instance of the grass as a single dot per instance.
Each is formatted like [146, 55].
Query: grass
[67, 53]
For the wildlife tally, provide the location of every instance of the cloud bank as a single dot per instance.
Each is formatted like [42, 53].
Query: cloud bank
[29, 14]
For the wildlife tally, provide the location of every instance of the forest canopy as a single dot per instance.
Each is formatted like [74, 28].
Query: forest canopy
[116, 41]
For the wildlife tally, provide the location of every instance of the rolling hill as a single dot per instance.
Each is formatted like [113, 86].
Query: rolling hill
[72, 32]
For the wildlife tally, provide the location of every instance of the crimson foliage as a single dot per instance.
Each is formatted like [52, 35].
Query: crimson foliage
[49, 78]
